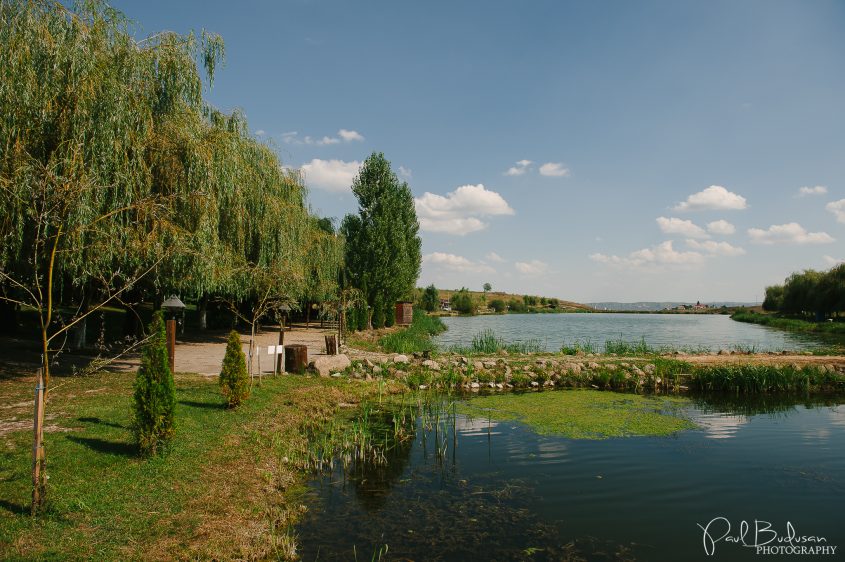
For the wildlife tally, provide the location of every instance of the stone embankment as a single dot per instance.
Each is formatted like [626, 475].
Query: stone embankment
[649, 373]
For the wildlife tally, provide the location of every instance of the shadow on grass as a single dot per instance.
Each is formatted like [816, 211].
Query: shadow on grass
[14, 508]
[107, 447]
[101, 422]
[203, 405]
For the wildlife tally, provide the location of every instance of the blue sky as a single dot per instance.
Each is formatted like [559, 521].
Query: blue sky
[585, 150]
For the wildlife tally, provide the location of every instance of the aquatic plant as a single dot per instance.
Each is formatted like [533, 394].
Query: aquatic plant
[585, 414]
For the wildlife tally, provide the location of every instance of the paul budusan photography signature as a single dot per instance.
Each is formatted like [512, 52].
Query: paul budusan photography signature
[763, 538]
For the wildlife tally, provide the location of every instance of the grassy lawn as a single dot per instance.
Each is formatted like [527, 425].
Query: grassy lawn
[223, 491]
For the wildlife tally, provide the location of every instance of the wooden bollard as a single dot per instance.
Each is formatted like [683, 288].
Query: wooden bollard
[296, 358]
[331, 344]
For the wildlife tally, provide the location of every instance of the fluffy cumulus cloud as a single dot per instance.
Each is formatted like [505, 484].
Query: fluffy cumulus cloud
[680, 226]
[350, 136]
[452, 262]
[405, 172]
[533, 267]
[519, 168]
[494, 257]
[831, 261]
[343, 135]
[816, 190]
[714, 198]
[789, 233]
[838, 209]
[661, 254]
[554, 169]
[714, 248]
[721, 227]
[330, 175]
[460, 212]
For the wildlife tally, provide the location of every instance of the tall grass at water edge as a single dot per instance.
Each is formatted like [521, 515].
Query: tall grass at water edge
[791, 324]
[486, 342]
[416, 337]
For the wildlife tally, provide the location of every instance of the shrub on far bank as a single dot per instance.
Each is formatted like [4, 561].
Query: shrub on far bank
[234, 379]
[155, 394]
[498, 305]
[463, 302]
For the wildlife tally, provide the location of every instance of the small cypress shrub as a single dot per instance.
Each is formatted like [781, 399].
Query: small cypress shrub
[234, 380]
[155, 394]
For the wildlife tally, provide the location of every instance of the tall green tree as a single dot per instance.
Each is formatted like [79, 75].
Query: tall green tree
[383, 249]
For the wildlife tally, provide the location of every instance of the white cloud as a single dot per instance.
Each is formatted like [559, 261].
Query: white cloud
[838, 209]
[721, 227]
[790, 233]
[260, 133]
[519, 169]
[680, 226]
[831, 261]
[662, 254]
[456, 263]
[343, 135]
[330, 175]
[458, 212]
[533, 267]
[714, 248]
[350, 136]
[715, 198]
[405, 172]
[817, 190]
[494, 257]
[554, 169]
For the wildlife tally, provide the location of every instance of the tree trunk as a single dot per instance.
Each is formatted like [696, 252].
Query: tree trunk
[202, 313]
[80, 332]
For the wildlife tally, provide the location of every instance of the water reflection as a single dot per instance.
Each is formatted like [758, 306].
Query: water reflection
[477, 489]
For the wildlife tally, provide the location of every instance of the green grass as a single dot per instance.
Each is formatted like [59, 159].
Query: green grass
[416, 337]
[221, 482]
[578, 347]
[585, 414]
[790, 324]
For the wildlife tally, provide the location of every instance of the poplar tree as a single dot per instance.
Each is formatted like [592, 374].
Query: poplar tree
[383, 249]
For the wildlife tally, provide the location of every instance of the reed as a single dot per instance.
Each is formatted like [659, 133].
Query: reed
[416, 337]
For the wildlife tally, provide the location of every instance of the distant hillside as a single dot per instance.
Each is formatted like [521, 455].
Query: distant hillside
[562, 304]
[650, 306]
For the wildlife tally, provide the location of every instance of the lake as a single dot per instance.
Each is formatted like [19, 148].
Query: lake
[694, 331]
[475, 489]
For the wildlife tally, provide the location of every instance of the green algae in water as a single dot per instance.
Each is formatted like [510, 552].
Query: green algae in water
[585, 414]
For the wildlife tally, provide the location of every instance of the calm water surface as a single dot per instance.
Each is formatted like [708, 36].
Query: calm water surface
[480, 490]
[711, 331]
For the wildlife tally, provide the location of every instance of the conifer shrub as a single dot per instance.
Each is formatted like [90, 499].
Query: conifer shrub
[234, 379]
[155, 394]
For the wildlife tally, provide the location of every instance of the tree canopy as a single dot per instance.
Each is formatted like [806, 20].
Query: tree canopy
[383, 250]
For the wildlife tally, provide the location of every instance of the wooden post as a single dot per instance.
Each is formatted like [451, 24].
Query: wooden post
[296, 358]
[38, 460]
[279, 366]
[170, 328]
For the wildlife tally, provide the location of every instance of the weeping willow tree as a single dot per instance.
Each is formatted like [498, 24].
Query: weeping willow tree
[118, 179]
